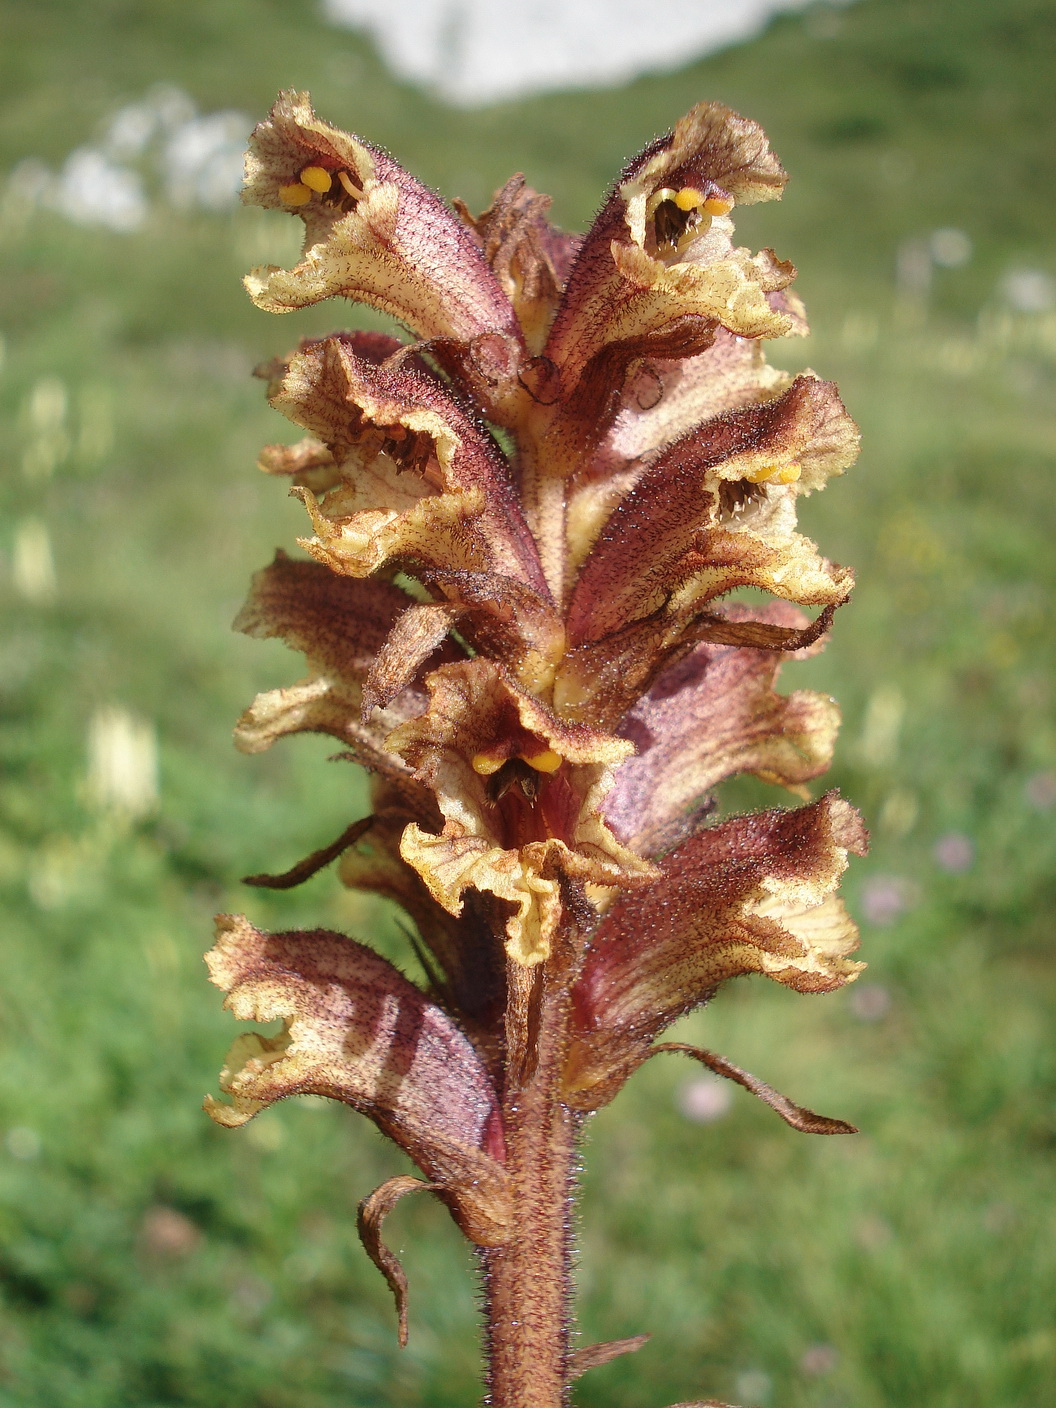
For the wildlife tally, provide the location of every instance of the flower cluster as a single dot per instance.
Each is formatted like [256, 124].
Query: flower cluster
[526, 522]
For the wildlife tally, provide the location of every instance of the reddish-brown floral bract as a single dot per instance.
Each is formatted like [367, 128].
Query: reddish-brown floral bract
[525, 523]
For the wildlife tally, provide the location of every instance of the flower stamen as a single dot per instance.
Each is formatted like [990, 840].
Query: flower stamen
[774, 474]
[680, 215]
[547, 761]
[296, 193]
[351, 189]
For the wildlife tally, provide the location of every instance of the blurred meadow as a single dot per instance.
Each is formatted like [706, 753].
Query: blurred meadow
[149, 1259]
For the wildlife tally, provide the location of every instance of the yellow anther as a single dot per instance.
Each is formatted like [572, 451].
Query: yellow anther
[787, 474]
[294, 194]
[689, 199]
[762, 474]
[774, 474]
[485, 765]
[717, 205]
[350, 187]
[317, 178]
[544, 762]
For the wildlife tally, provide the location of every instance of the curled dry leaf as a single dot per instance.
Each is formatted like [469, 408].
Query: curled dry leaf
[370, 1215]
[709, 716]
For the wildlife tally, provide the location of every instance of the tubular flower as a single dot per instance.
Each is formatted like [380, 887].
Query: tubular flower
[525, 524]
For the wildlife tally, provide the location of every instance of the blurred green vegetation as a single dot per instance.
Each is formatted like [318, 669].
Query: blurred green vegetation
[148, 1258]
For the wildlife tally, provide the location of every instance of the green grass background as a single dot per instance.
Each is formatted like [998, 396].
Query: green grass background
[920, 1254]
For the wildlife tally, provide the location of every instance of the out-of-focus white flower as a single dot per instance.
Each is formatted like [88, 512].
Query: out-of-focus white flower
[122, 762]
[160, 142]
[950, 248]
[203, 161]
[705, 1099]
[44, 418]
[1029, 290]
[33, 562]
[883, 723]
[92, 190]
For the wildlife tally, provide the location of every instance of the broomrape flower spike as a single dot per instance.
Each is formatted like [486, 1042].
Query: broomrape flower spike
[528, 640]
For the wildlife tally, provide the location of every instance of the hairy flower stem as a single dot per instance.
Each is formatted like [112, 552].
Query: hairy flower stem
[526, 638]
[527, 1282]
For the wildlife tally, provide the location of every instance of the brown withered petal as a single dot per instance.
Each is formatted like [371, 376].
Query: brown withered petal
[422, 480]
[752, 895]
[760, 551]
[370, 1215]
[414, 637]
[594, 1355]
[377, 236]
[530, 258]
[307, 463]
[356, 1030]
[710, 715]
[664, 399]
[339, 623]
[507, 621]
[519, 789]
[641, 552]
[797, 1116]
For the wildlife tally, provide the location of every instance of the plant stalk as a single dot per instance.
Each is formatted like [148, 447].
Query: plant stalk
[527, 1281]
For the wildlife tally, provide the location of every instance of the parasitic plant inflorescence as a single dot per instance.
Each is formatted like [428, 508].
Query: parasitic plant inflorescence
[526, 524]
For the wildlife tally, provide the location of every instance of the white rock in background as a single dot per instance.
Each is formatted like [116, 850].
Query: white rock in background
[478, 51]
[159, 149]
